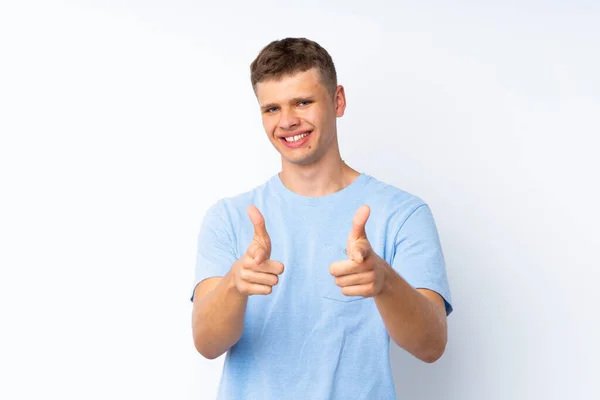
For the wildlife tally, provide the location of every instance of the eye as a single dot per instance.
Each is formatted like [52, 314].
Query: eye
[271, 110]
[304, 103]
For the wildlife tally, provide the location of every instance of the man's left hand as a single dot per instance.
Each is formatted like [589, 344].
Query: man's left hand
[363, 274]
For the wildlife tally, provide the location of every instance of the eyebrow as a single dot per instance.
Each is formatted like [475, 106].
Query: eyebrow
[293, 101]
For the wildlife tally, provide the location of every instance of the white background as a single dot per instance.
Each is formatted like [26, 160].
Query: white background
[122, 122]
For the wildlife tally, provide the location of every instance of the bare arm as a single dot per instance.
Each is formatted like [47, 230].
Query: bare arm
[220, 302]
[414, 318]
[217, 316]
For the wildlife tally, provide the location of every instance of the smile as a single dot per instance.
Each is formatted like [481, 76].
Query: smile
[296, 141]
[297, 137]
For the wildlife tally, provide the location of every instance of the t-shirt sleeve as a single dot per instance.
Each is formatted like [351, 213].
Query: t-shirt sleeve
[216, 247]
[418, 254]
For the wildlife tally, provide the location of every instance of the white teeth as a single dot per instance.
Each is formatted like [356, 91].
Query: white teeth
[296, 138]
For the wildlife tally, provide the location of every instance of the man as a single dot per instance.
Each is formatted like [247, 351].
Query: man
[303, 280]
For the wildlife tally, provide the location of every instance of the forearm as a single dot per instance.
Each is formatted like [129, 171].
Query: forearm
[413, 321]
[218, 318]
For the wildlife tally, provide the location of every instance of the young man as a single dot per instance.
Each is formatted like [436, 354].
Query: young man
[303, 280]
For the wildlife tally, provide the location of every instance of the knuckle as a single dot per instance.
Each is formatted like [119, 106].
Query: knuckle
[242, 287]
[245, 274]
[247, 262]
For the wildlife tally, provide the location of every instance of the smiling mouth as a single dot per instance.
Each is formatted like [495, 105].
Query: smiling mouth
[293, 139]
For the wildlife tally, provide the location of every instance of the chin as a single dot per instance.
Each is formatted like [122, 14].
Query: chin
[300, 160]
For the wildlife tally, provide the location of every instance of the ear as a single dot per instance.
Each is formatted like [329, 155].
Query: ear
[339, 101]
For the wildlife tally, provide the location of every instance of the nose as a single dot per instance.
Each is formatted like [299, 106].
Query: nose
[288, 120]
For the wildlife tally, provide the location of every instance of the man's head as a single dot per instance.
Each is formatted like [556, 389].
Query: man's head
[290, 56]
[295, 83]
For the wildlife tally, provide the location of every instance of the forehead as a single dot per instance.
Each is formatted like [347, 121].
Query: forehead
[289, 86]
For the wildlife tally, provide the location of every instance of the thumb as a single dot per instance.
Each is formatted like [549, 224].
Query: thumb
[358, 224]
[360, 251]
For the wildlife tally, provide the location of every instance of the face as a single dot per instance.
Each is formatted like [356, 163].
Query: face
[299, 116]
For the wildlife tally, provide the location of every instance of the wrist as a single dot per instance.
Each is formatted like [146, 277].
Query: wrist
[388, 276]
[231, 286]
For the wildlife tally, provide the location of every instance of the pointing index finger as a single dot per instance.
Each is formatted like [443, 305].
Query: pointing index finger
[260, 231]
[258, 221]
[358, 223]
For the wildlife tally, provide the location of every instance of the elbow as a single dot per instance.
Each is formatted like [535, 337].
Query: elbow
[433, 352]
[211, 344]
[204, 346]
[202, 341]
[428, 352]
[204, 350]
[432, 356]
[434, 345]
[210, 356]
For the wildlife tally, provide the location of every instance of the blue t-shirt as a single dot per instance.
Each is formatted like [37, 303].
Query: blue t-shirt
[306, 340]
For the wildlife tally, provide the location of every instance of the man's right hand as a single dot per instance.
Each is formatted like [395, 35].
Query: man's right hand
[255, 273]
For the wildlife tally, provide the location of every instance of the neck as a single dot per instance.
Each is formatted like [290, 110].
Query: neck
[326, 176]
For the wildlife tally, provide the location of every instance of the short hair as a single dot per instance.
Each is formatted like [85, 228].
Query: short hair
[292, 55]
